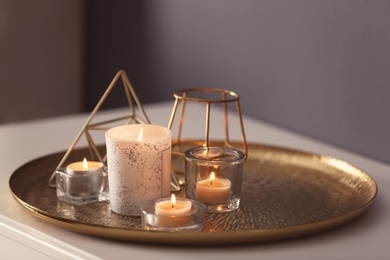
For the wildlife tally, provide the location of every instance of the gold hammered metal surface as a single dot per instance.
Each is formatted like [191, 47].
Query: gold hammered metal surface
[286, 193]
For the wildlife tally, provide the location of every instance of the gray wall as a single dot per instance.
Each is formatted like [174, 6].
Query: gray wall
[320, 68]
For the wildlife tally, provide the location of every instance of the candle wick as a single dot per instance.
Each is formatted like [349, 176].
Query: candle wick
[173, 205]
[211, 182]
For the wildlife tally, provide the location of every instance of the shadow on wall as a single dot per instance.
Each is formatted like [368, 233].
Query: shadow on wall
[41, 58]
[118, 39]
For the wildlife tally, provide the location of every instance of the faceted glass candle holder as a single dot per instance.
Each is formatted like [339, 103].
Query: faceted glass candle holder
[80, 188]
[214, 177]
[157, 219]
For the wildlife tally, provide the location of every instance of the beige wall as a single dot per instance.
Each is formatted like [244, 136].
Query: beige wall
[41, 58]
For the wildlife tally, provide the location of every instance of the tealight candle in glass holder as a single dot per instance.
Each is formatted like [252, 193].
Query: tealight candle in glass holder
[214, 177]
[82, 182]
[172, 214]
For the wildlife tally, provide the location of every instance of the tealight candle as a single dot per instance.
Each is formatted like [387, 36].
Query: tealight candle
[79, 184]
[82, 183]
[219, 193]
[213, 189]
[84, 167]
[173, 212]
[173, 207]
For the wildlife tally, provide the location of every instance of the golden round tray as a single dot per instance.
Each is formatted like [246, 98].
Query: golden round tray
[285, 194]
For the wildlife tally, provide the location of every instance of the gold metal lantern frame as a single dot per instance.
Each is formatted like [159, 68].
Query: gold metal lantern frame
[131, 118]
[207, 97]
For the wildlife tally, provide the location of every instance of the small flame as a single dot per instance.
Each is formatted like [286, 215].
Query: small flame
[140, 134]
[173, 201]
[212, 178]
[85, 164]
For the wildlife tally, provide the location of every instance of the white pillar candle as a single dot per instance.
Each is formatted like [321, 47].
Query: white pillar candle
[213, 189]
[139, 165]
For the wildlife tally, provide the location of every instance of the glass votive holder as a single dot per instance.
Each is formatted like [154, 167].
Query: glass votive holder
[163, 215]
[79, 186]
[214, 177]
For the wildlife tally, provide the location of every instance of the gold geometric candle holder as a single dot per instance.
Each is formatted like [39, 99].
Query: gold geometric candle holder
[103, 126]
[207, 97]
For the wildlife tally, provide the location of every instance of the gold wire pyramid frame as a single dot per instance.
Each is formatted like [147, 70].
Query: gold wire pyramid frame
[187, 95]
[100, 126]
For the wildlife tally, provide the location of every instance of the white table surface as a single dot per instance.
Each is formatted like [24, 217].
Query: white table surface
[24, 236]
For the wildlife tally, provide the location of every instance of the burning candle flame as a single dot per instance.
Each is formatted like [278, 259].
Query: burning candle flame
[140, 134]
[212, 178]
[85, 164]
[173, 200]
